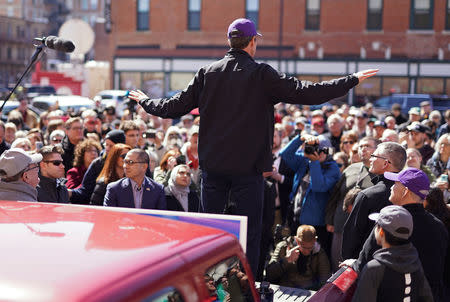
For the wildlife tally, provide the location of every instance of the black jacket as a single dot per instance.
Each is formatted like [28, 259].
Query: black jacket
[4, 146]
[383, 278]
[358, 225]
[235, 97]
[51, 190]
[430, 238]
[69, 153]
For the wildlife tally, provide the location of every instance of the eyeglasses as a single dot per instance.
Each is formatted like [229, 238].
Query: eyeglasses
[56, 139]
[348, 142]
[76, 128]
[377, 156]
[122, 156]
[132, 162]
[92, 151]
[31, 168]
[54, 162]
[308, 248]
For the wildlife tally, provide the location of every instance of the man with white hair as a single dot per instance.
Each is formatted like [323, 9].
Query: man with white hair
[19, 175]
[335, 128]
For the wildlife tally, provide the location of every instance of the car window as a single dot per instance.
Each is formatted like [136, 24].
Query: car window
[415, 102]
[168, 294]
[227, 281]
[384, 102]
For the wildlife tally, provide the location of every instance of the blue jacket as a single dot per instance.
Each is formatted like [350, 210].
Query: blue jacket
[323, 177]
[120, 194]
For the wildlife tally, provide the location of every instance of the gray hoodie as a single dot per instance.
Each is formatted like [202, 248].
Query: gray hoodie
[394, 274]
[18, 191]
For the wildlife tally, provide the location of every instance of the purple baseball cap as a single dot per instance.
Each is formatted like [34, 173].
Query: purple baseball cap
[242, 28]
[414, 179]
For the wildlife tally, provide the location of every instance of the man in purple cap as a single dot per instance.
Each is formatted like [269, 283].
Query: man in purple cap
[429, 234]
[236, 98]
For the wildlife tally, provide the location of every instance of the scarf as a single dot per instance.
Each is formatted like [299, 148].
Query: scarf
[179, 192]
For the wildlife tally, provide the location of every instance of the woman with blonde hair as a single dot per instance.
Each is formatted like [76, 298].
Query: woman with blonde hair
[112, 171]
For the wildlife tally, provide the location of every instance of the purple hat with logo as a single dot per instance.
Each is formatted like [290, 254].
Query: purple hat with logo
[242, 28]
[414, 179]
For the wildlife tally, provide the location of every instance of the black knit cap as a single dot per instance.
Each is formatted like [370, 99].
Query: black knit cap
[116, 136]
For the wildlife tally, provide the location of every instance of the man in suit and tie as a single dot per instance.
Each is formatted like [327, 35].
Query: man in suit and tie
[135, 190]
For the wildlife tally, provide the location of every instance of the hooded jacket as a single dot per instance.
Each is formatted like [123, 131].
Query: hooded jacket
[17, 190]
[394, 274]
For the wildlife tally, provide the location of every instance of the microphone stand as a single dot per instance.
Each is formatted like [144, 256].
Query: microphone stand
[33, 60]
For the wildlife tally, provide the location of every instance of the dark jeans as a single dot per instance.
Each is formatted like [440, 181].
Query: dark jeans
[246, 193]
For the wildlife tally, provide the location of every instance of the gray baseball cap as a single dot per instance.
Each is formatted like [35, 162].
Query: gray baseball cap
[394, 219]
[15, 160]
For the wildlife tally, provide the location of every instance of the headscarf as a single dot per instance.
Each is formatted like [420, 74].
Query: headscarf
[179, 192]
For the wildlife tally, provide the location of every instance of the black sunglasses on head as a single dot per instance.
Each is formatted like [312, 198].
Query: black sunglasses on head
[54, 162]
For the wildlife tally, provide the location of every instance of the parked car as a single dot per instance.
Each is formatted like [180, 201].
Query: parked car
[114, 98]
[65, 102]
[406, 101]
[383, 105]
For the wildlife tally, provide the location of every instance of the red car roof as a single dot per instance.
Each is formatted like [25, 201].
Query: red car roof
[51, 250]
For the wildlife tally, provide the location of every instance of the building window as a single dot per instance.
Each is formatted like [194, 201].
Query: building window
[143, 11]
[252, 11]
[421, 14]
[312, 20]
[69, 4]
[447, 19]
[94, 4]
[85, 4]
[10, 11]
[374, 14]
[194, 8]
[9, 53]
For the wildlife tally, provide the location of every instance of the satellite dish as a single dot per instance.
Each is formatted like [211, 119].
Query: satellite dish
[80, 33]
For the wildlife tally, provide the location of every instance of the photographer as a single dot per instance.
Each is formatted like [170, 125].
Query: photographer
[315, 175]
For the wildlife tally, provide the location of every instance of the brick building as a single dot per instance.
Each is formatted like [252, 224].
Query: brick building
[159, 44]
[20, 22]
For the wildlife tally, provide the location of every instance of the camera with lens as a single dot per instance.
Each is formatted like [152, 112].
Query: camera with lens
[151, 133]
[311, 149]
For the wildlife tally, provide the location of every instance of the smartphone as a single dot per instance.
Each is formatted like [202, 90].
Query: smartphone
[39, 145]
[443, 178]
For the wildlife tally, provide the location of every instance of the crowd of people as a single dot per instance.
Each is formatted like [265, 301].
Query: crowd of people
[308, 180]
[327, 177]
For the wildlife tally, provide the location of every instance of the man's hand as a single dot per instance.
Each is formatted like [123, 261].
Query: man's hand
[292, 254]
[137, 95]
[362, 75]
[347, 262]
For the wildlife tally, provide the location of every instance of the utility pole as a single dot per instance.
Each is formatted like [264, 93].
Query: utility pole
[280, 34]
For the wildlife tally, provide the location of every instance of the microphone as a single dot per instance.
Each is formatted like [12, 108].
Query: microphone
[56, 43]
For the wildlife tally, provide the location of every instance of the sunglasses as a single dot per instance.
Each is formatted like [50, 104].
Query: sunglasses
[348, 142]
[54, 162]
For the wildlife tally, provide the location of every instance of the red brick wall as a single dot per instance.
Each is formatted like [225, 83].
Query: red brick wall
[343, 24]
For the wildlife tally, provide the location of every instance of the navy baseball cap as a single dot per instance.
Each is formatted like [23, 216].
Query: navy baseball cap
[414, 179]
[242, 28]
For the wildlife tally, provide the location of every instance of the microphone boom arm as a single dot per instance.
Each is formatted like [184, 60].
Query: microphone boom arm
[33, 60]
